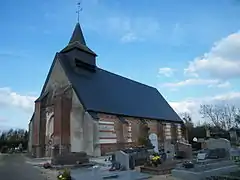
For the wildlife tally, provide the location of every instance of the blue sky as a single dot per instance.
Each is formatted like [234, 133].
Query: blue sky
[190, 50]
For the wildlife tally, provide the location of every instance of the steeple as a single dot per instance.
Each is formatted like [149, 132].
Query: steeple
[77, 35]
[77, 50]
[77, 41]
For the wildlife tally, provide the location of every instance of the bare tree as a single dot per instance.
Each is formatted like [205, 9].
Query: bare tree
[186, 117]
[222, 116]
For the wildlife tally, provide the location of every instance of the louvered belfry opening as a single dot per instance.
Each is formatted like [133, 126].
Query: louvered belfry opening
[80, 64]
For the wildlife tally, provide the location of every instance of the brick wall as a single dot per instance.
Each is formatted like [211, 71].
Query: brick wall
[42, 131]
[66, 106]
[160, 132]
[153, 125]
[184, 132]
[57, 119]
[36, 123]
[62, 108]
[125, 134]
[135, 128]
[174, 132]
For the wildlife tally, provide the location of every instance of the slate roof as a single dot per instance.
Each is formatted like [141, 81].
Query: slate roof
[77, 35]
[103, 91]
[78, 41]
[106, 92]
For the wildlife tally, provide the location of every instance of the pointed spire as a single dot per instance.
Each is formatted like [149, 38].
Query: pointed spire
[77, 35]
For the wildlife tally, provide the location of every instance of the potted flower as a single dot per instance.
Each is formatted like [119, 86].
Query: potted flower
[65, 175]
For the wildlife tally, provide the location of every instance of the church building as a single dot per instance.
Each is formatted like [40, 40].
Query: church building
[85, 108]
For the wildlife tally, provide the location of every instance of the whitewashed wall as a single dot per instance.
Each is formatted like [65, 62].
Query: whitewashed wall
[76, 125]
[57, 78]
[83, 130]
[82, 125]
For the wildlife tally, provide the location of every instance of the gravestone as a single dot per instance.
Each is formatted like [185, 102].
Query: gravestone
[201, 156]
[154, 140]
[215, 148]
[218, 143]
[201, 170]
[169, 149]
[123, 159]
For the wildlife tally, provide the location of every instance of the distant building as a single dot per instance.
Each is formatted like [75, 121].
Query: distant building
[85, 108]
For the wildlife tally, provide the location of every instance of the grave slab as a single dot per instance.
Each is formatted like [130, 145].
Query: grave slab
[97, 174]
[204, 170]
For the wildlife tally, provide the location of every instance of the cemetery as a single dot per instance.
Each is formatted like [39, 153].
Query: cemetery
[218, 159]
[217, 156]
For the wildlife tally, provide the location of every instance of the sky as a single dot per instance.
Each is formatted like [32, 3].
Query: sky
[189, 50]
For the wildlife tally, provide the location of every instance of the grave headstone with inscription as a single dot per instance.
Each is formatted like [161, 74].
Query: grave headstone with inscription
[154, 140]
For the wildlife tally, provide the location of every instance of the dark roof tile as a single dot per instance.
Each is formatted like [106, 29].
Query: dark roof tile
[102, 91]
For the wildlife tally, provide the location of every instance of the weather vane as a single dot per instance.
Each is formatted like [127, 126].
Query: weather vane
[79, 9]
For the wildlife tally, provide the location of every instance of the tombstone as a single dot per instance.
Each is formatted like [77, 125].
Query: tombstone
[201, 156]
[169, 149]
[216, 148]
[218, 143]
[154, 140]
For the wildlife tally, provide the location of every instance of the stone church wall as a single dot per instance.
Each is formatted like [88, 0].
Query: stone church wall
[128, 135]
[36, 130]
[57, 80]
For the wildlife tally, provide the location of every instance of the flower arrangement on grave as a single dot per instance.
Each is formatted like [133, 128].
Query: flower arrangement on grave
[65, 175]
[155, 159]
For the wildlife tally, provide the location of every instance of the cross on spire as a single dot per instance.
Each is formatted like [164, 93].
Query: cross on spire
[79, 9]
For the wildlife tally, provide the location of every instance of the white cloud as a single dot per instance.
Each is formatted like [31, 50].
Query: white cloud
[191, 105]
[9, 98]
[166, 71]
[132, 29]
[221, 85]
[197, 81]
[129, 37]
[222, 61]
